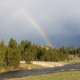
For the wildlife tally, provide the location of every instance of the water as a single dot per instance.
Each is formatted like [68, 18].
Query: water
[25, 73]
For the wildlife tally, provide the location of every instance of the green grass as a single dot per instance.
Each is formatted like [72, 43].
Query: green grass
[74, 61]
[75, 75]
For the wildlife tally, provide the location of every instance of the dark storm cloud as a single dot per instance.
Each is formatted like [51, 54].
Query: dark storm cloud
[59, 19]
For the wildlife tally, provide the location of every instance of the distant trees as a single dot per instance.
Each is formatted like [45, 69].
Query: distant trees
[72, 48]
[11, 55]
[79, 51]
[67, 54]
[21, 48]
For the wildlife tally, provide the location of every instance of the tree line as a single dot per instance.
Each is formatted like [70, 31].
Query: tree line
[13, 53]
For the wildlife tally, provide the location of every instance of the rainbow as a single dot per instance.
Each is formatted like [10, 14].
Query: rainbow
[35, 24]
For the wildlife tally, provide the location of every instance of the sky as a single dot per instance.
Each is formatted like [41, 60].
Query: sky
[58, 19]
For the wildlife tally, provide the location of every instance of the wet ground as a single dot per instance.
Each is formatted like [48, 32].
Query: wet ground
[25, 73]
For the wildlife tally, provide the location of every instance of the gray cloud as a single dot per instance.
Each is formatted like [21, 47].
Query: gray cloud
[58, 18]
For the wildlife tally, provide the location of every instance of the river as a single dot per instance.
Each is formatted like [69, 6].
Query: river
[25, 73]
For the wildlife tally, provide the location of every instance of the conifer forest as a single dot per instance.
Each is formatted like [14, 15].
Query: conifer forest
[13, 53]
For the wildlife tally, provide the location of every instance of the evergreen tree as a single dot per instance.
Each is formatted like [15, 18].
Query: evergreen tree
[39, 52]
[79, 51]
[75, 52]
[44, 54]
[51, 54]
[63, 49]
[67, 54]
[29, 56]
[22, 52]
[34, 51]
[12, 43]
[3, 62]
[72, 48]
[13, 54]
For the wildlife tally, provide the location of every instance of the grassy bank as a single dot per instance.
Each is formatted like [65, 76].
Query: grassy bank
[34, 66]
[75, 75]
[3, 70]
[30, 66]
[23, 67]
[74, 60]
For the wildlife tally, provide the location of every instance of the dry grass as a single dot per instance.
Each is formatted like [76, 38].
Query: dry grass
[23, 66]
[30, 66]
[3, 70]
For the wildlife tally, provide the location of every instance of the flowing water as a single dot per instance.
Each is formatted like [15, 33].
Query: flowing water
[25, 73]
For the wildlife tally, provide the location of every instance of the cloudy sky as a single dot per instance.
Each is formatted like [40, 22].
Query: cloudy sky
[59, 19]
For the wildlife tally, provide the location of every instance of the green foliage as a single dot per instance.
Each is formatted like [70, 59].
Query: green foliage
[12, 43]
[79, 51]
[21, 47]
[39, 52]
[2, 60]
[29, 56]
[72, 49]
[67, 54]
[44, 55]
[34, 51]
[3, 63]
[11, 55]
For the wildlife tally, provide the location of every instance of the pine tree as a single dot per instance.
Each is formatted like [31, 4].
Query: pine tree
[79, 51]
[12, 43]
[34, 51]
[67, 54]
[29, 56]
[72, 48]
[39, 52]
[13, 54]
[3, 62]
[22, 52]
[63, 49]
[44, 55]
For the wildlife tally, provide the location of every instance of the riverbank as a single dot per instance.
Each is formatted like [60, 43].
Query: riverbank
[41, 65]
[35, 65]
[24, 66]
[35, 72]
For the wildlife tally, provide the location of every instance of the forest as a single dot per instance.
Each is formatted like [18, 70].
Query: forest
[13, 53]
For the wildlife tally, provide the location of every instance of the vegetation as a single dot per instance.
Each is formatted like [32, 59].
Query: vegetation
[30, 66]
[75, 75]
[11, 54]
